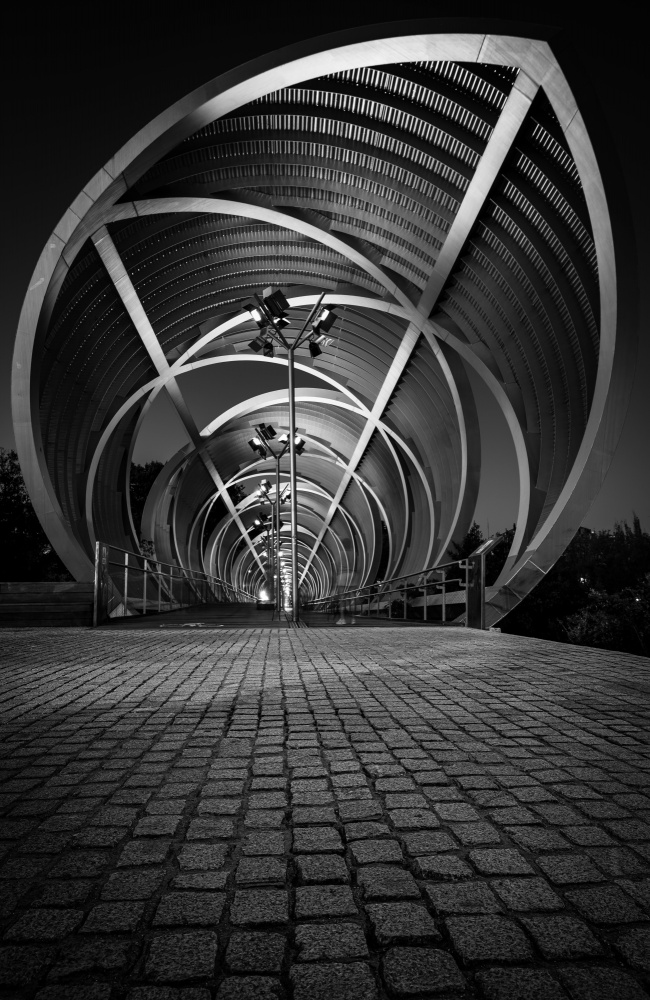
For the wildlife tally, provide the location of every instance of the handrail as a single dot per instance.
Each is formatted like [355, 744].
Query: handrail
[131, 583]
[382, 599]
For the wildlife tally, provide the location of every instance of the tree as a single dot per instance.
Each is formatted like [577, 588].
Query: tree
[596, 593]
[141, 480]
[25, 550]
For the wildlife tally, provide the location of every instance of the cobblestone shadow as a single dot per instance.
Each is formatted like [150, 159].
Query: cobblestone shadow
[346, 815]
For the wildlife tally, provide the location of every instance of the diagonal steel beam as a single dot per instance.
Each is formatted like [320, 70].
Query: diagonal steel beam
[499, 145]
[118, 274]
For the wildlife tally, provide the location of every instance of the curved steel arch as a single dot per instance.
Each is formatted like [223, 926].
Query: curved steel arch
[442, 188]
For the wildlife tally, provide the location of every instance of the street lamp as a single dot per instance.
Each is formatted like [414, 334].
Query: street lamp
[261, 445]
[269, 312]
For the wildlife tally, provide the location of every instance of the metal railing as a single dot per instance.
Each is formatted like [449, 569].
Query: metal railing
[437, 595]
[128, 583]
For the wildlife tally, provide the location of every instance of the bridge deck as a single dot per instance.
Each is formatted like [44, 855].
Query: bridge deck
[354, 814]
[244, 616]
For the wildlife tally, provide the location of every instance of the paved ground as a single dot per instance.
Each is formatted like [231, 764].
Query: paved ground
[343, 814]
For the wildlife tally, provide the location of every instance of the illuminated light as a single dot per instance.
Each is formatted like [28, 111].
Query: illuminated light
[283, 438]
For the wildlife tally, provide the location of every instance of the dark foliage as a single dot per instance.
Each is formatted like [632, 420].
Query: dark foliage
[597, 594]
[141, 480]
[25, 551]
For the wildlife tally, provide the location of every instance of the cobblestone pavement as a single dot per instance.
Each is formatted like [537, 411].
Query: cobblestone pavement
[346, 815]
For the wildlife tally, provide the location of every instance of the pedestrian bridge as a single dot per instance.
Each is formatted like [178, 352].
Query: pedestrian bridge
[430, 207]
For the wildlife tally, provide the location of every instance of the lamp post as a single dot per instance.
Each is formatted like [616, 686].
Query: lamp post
[270, 313]
[261, 444]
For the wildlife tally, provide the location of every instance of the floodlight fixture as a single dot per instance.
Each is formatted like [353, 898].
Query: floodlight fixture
[254, 311]
[257, 344]
[267, 349]
[324, 321]
[275, 302]
[257, 446]
[265, 485]
[267, 431]
[283, 439]
[300, 444]
[314, 349]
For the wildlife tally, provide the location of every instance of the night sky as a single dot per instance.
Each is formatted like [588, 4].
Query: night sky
[76, 87]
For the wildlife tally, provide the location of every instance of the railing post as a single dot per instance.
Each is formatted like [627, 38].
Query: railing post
[144, 588]
[444, 596]
[126, 584]
[424, 606]
[159, 578]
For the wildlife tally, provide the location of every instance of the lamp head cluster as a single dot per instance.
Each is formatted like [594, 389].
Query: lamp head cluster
[264, 433]
[269, 312]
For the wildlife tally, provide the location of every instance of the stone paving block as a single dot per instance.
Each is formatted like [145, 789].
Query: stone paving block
[110, 918]
[447, 868]
[259, 906]
[633, 946]
[413, 971]
[349, 812]
[640, 891]
[561, 937]
[476, 833]
[261, 869]
[64, 893]
[108, 836]
[202, 857]
[144, 852]
[414, 819]
[402, 922]
[249, 988]
[330, 942]
[362, 831]
[535, 838]
[78, 864]
[317, 840]
[22, 964]
[519, 984]
[77, 991]
[601, 983]
[324, 901]
[255, 951]
[526, 894]
[353, 981]
[618, 862]
[44, 925]
[322, 868]
[426, 843]
[387, 882]
[177, 909]
[605, 904]
[371, 851]
[269, 842]
[157, 826]
[489, 938]
[101, 954]
[200, 880]
[468, 897]
[499, 861]
[567, 869]
[178, 957]
[209, 828]
[132, 885]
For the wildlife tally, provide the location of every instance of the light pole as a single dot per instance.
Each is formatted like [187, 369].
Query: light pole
[270, 313]
[261, 444]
